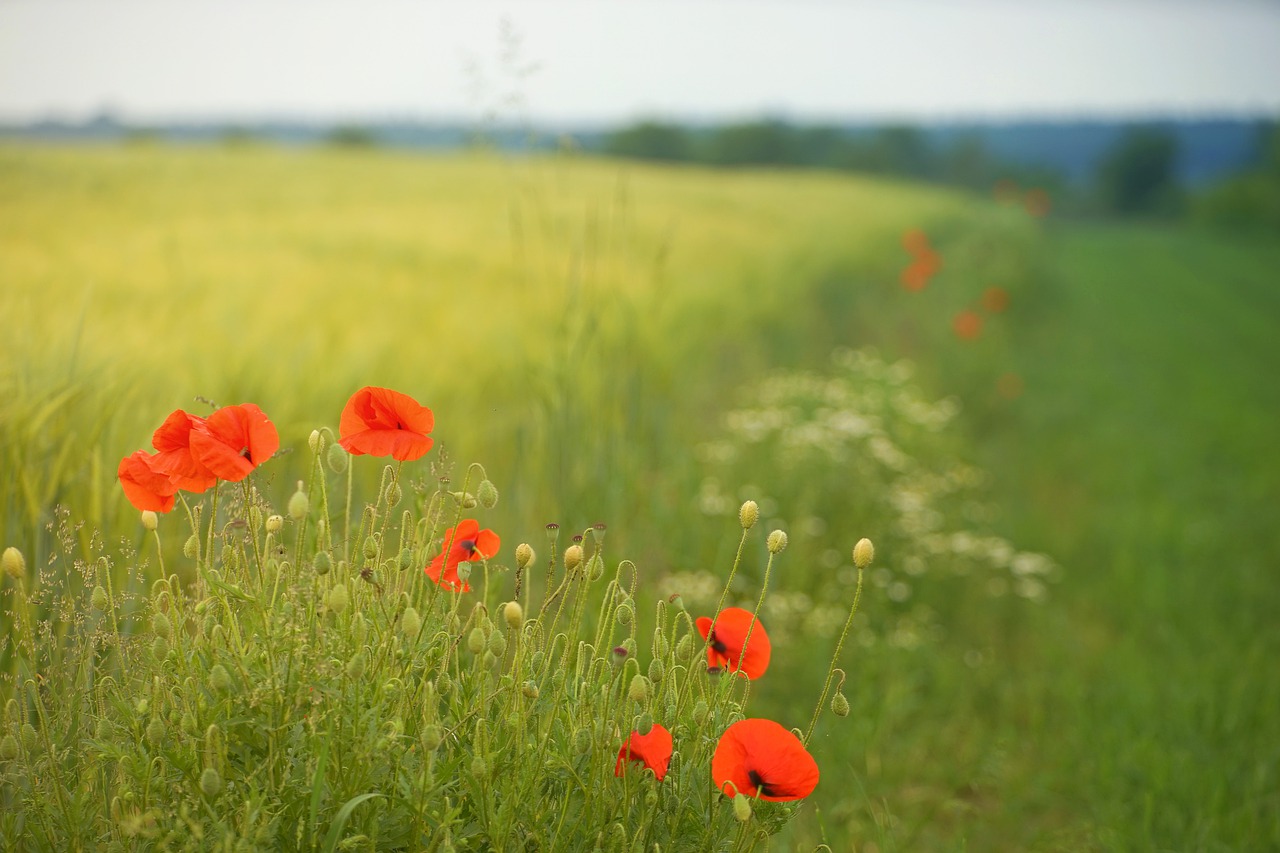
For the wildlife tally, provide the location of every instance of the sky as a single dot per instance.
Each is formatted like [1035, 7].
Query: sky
[614, 60]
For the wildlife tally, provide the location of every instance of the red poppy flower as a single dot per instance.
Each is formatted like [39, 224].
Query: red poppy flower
[995, 299]
[233, 441]
[464, 542]
[761, 758]
[173, 441]
[381, 422]
[652, 750]
[915, 241]
[967, 325]
[728, 639]
[145, 487]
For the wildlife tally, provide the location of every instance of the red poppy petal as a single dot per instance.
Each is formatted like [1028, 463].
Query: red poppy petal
[487, 544]
[223, 460]
[382, 422]
[398, 444]
[144, 487]
[731, 628]
[653, 750]
[704, 626]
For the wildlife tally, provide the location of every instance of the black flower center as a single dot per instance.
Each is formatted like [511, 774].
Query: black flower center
[762, 787]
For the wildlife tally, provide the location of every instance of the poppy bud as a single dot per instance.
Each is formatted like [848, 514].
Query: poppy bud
[863, 553]
[299, 504]
[210, 783]
[513, 613]
[839, 705]
[150, 521]
[8, 748]
[582, 741]
[229, 555]
[355, 666]
[322, 563]
[776, 542]
[466, 500]
[572, 557]
[191, 548]
[623, 614]
[529, 689]
[595, 568]
[742, 808]
[219, 678]
[99, 599]
[444, 684]
[645, 724]
[639, 689]
[524, 555]
[700, 712]
[275, 523]
[160, 648]
[747, 514]
[497, 644]
[336, 456]
[656, 670]
[464, 571]
[394, 494]
[359, 629]
[479, 767]
[315, 441]
[338, 598]
[618, 655]
[411, 623]
[155, 731]
[188, 724]
[487, 494]
[29, 739]
[475, 641]
[431, 737]
[161, 626]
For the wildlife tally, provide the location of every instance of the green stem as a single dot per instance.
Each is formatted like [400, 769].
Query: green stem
[822, 699]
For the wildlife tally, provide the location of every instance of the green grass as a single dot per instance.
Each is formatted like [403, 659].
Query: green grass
[581, 326]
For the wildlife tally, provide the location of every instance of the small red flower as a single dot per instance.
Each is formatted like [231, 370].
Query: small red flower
[729, 637]
[233, 441]
[173, 441]
[995, 299]
[915, 241]
[967, 325]
[145, 487]
[382, 422]
[652, 750]
[760, 758]
[464, 542]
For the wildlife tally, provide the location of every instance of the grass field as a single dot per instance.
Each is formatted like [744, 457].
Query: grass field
[581, 328]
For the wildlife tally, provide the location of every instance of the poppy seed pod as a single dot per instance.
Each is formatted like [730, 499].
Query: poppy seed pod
[150, 521]
[863, 553]
[299, 504]
[524, 555]
[776, 542]
[487, 494]
[275, 523]
[748, 514]
[572, 557]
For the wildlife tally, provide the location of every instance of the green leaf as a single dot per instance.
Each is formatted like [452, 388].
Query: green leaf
[340, 821]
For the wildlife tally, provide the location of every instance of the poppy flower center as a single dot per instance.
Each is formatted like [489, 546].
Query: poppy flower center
[762, 787]
[468, 546]
[717, 644]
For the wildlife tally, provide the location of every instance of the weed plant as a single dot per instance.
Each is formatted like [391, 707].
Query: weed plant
[298, 681]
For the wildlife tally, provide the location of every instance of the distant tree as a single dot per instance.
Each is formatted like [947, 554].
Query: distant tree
[1249, 201]
[1137, 176]
[651, 140]
[351, 136]
[756, 143]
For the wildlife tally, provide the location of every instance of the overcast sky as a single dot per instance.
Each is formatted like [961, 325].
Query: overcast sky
[605, 60]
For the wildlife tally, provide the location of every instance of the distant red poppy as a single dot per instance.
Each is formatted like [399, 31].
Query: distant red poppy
[915, 241]
[464, 542]
[758, 757]
[145, 487]
[173, 441]
[652, 750]
[233, 441]
[995, 299]
[1037, 202]
[1010, 386]
[382, 422]
[1006, 191]
[914, 278]
[729, 637]
[967, 325]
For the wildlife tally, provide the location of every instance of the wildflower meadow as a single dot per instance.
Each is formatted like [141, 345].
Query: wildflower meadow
[368, 500]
